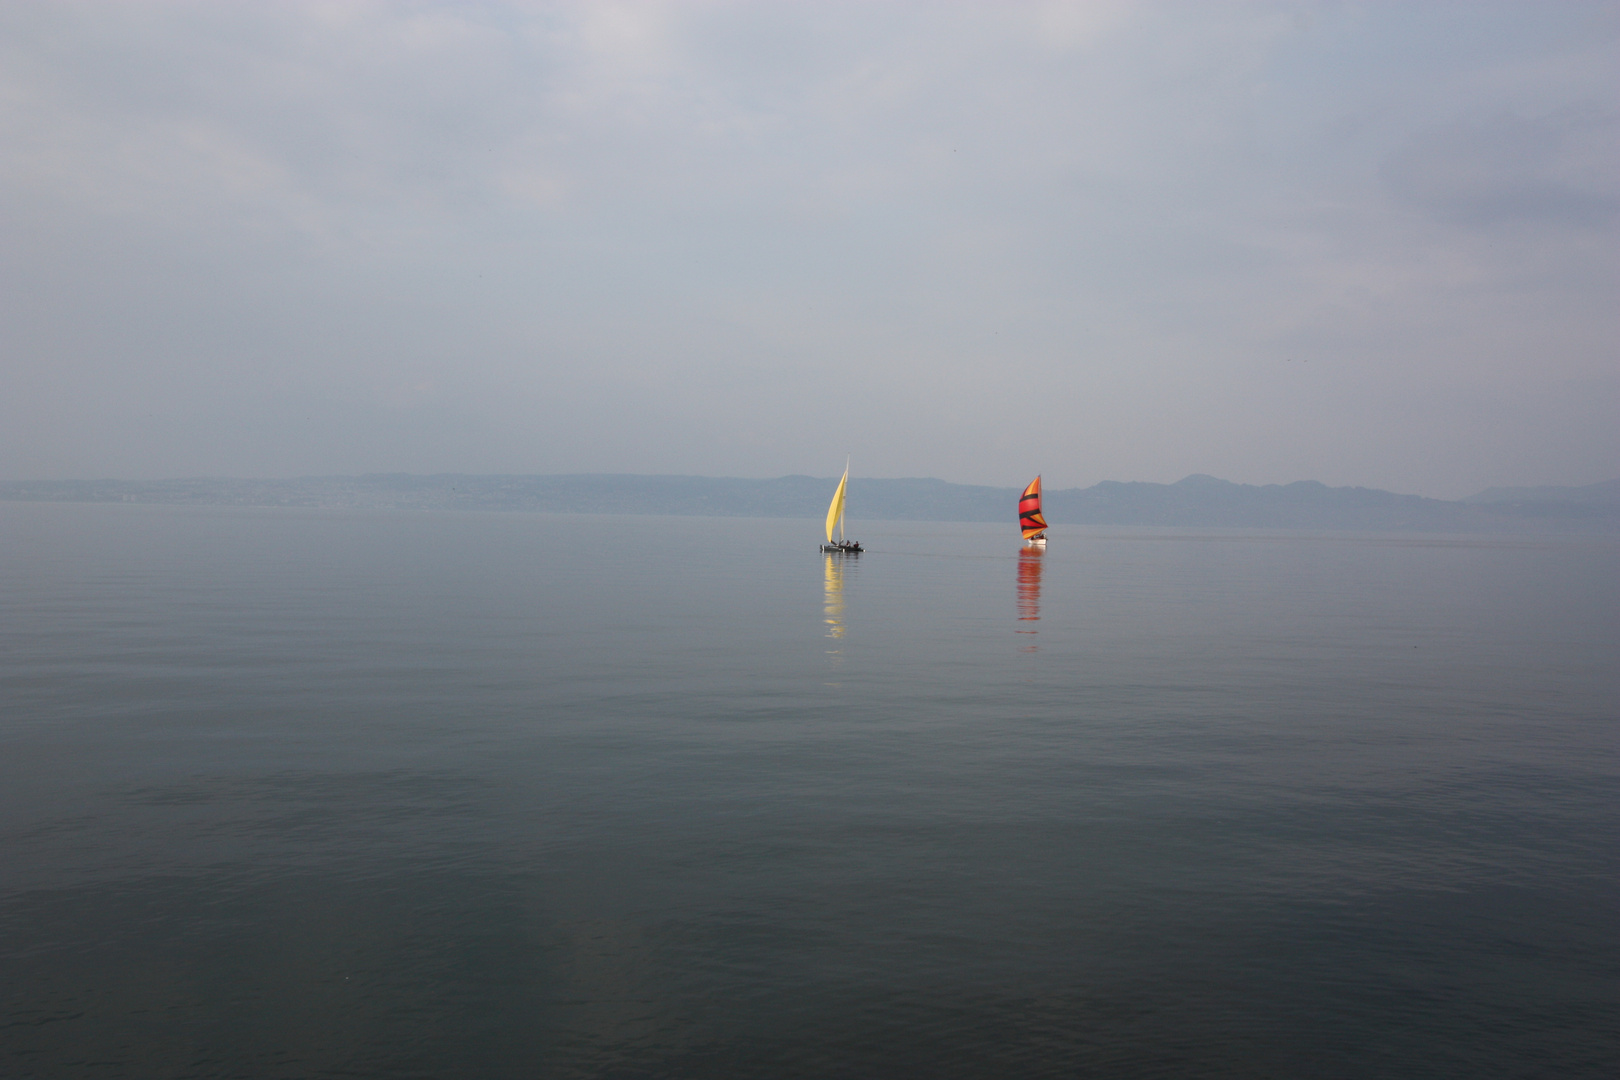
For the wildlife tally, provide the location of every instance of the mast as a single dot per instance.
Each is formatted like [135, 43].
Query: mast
[841, 509]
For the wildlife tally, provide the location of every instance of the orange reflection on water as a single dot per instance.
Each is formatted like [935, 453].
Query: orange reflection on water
[1029, 588]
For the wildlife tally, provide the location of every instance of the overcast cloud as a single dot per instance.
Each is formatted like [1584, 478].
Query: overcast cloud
[1361, 243]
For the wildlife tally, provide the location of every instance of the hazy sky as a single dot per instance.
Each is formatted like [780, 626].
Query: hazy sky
[1362, 243]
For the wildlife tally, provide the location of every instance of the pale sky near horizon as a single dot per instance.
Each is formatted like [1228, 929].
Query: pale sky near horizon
[1361, 243]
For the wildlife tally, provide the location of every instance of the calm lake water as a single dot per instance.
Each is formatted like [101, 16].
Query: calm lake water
[295, 793]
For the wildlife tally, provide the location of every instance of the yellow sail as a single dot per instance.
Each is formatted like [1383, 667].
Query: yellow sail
[836, 510]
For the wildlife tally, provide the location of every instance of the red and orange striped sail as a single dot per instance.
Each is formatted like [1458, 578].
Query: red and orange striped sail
[1029, 511]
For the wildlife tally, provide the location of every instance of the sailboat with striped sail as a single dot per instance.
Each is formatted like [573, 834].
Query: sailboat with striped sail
[1030, 519]
[835, 517]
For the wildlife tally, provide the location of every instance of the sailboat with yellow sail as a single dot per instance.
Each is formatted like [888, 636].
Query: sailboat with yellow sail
[1030, 519]
[835, 518]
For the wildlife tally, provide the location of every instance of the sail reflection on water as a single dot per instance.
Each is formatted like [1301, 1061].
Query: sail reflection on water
[834, 603]
[1029, 588]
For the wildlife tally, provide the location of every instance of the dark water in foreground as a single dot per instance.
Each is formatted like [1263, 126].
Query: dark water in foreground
[313, 794]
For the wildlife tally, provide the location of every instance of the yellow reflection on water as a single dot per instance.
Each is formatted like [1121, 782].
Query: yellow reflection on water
[1029, 590]
[834, 602]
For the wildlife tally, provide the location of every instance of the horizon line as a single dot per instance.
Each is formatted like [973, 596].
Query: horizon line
[743, 479]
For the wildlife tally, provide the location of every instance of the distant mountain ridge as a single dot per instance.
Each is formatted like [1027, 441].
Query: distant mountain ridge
[1196, 501]
[1605, 491]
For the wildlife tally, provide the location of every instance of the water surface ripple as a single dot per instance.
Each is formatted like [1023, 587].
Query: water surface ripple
[310, 793]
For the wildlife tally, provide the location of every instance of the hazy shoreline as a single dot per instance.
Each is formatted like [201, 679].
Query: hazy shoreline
[1194, 501]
